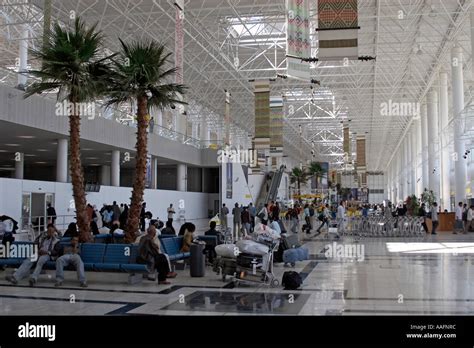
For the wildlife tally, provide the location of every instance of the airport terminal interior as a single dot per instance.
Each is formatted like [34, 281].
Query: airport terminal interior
[237, 157]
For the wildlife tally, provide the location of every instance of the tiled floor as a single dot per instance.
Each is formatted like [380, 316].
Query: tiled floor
[383, 283]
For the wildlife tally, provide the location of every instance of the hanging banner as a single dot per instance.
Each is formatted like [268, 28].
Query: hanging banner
[338, 30]
[227, 119]
[276, 127]
[360, 151]
[347, 141]
[229, 180]
[262, 114]
[298, 39]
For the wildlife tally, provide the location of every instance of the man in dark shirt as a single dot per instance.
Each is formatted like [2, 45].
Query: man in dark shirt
[69, 256]
[211, 248]
[51, 213]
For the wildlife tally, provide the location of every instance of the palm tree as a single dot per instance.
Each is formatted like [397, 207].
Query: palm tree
[315, 170]
[73, 66]
[298, 176]
[141, 74]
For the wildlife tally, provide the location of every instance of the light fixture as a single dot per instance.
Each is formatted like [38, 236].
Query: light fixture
[41, 162]
[13, 145]
[432, 11]
[419, 52]
[29, 155]
[26, 136]
[42, 150]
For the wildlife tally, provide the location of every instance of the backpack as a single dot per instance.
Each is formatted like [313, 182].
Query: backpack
[311, 212]
[291, 280]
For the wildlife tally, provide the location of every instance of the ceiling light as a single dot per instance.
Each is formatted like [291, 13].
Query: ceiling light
[86, 149]
[29, 155]
[41, 162]
[92, 158]
[42, 150]
[420, 50]
[26, 136]
[12, 144]
[3, 151]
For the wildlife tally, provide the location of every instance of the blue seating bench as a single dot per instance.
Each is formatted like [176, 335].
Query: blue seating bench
[99, 257]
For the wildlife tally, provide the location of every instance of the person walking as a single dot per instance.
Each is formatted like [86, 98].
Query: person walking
[246, 220]
[253, 213]
[469, 217]
[51, 213]
[325, 216]
[340, 216]
[223, 216]
[263, 214]
[237, 213]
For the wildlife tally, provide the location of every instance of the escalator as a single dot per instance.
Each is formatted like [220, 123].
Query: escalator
[269, 190]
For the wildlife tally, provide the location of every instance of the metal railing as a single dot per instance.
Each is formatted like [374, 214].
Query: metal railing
[39, 223]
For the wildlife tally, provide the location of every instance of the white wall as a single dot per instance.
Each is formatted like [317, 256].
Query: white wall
[255, 185]
[195, 204]
[240, 189]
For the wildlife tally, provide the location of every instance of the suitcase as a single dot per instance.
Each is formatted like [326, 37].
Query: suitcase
[291, 242]
[248, 260]
[291, 280]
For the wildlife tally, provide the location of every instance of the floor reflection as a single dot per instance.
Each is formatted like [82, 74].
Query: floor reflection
[241, 302]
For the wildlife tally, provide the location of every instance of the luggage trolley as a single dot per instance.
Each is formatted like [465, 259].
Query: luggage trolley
[261, 267]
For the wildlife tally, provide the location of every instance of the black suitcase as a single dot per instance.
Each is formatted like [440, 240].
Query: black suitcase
[291, 280]
[248, 260]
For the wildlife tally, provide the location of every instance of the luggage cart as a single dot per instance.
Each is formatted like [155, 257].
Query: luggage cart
[261, 271]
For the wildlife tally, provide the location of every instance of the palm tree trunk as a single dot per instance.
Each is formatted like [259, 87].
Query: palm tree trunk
[77, 177]
[140, 171]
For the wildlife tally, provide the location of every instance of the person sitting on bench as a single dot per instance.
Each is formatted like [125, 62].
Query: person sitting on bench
[149, 254]
[46, 243]
[69, 256]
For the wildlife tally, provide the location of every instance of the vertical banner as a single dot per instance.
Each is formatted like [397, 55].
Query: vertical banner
[227, 119]
[180, 124]
[148, 176]
[262, 120]
[229, 180]
[298, 38]
[347, 142]
[337, 29]
[360, 152]
[276, 129]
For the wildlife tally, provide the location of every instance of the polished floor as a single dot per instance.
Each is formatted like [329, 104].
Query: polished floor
[433, 275]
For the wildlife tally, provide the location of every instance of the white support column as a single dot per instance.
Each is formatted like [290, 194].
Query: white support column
[419, 158]
[159, 118]
[460, 167]
[115, 169]
[414, 157]
[410, 165]
[23, 58]
[433, 148]
[154, 173]
[445, 168]
[19, 165]
[404, 172]
[61, 161]
[105, 175]
[399, 176]
[181, 177]
[424, 147]
[194, 130]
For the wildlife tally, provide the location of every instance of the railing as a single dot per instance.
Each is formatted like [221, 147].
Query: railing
[37, 224]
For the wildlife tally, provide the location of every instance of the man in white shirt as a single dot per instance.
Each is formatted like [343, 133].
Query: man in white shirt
[458, 225]
[171, 212]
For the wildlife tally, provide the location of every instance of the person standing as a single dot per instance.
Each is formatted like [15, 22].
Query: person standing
[246, 220]
[171, 212]
[253, 213]
[142, 217]
[276, 212]
[117, 212]
[237, 213]
[223, 216]
[325, 215]
[51, 213]
[151, 124]
[470, 215]
[434, 217]
[458, 224]
[263, 214]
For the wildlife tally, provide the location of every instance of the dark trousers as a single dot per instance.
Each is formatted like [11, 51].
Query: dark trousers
[170, 220]
[325, 222]
[142, 224]
[435, 226]
[161, 266]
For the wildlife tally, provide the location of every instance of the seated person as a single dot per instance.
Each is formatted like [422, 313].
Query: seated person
[94, 228]
[46, 242]
[211, 248]
[168, 229]
[149, 254]
[69, 255]
[184, 227]
[213, 232]
[71, 230]
[188, 237]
